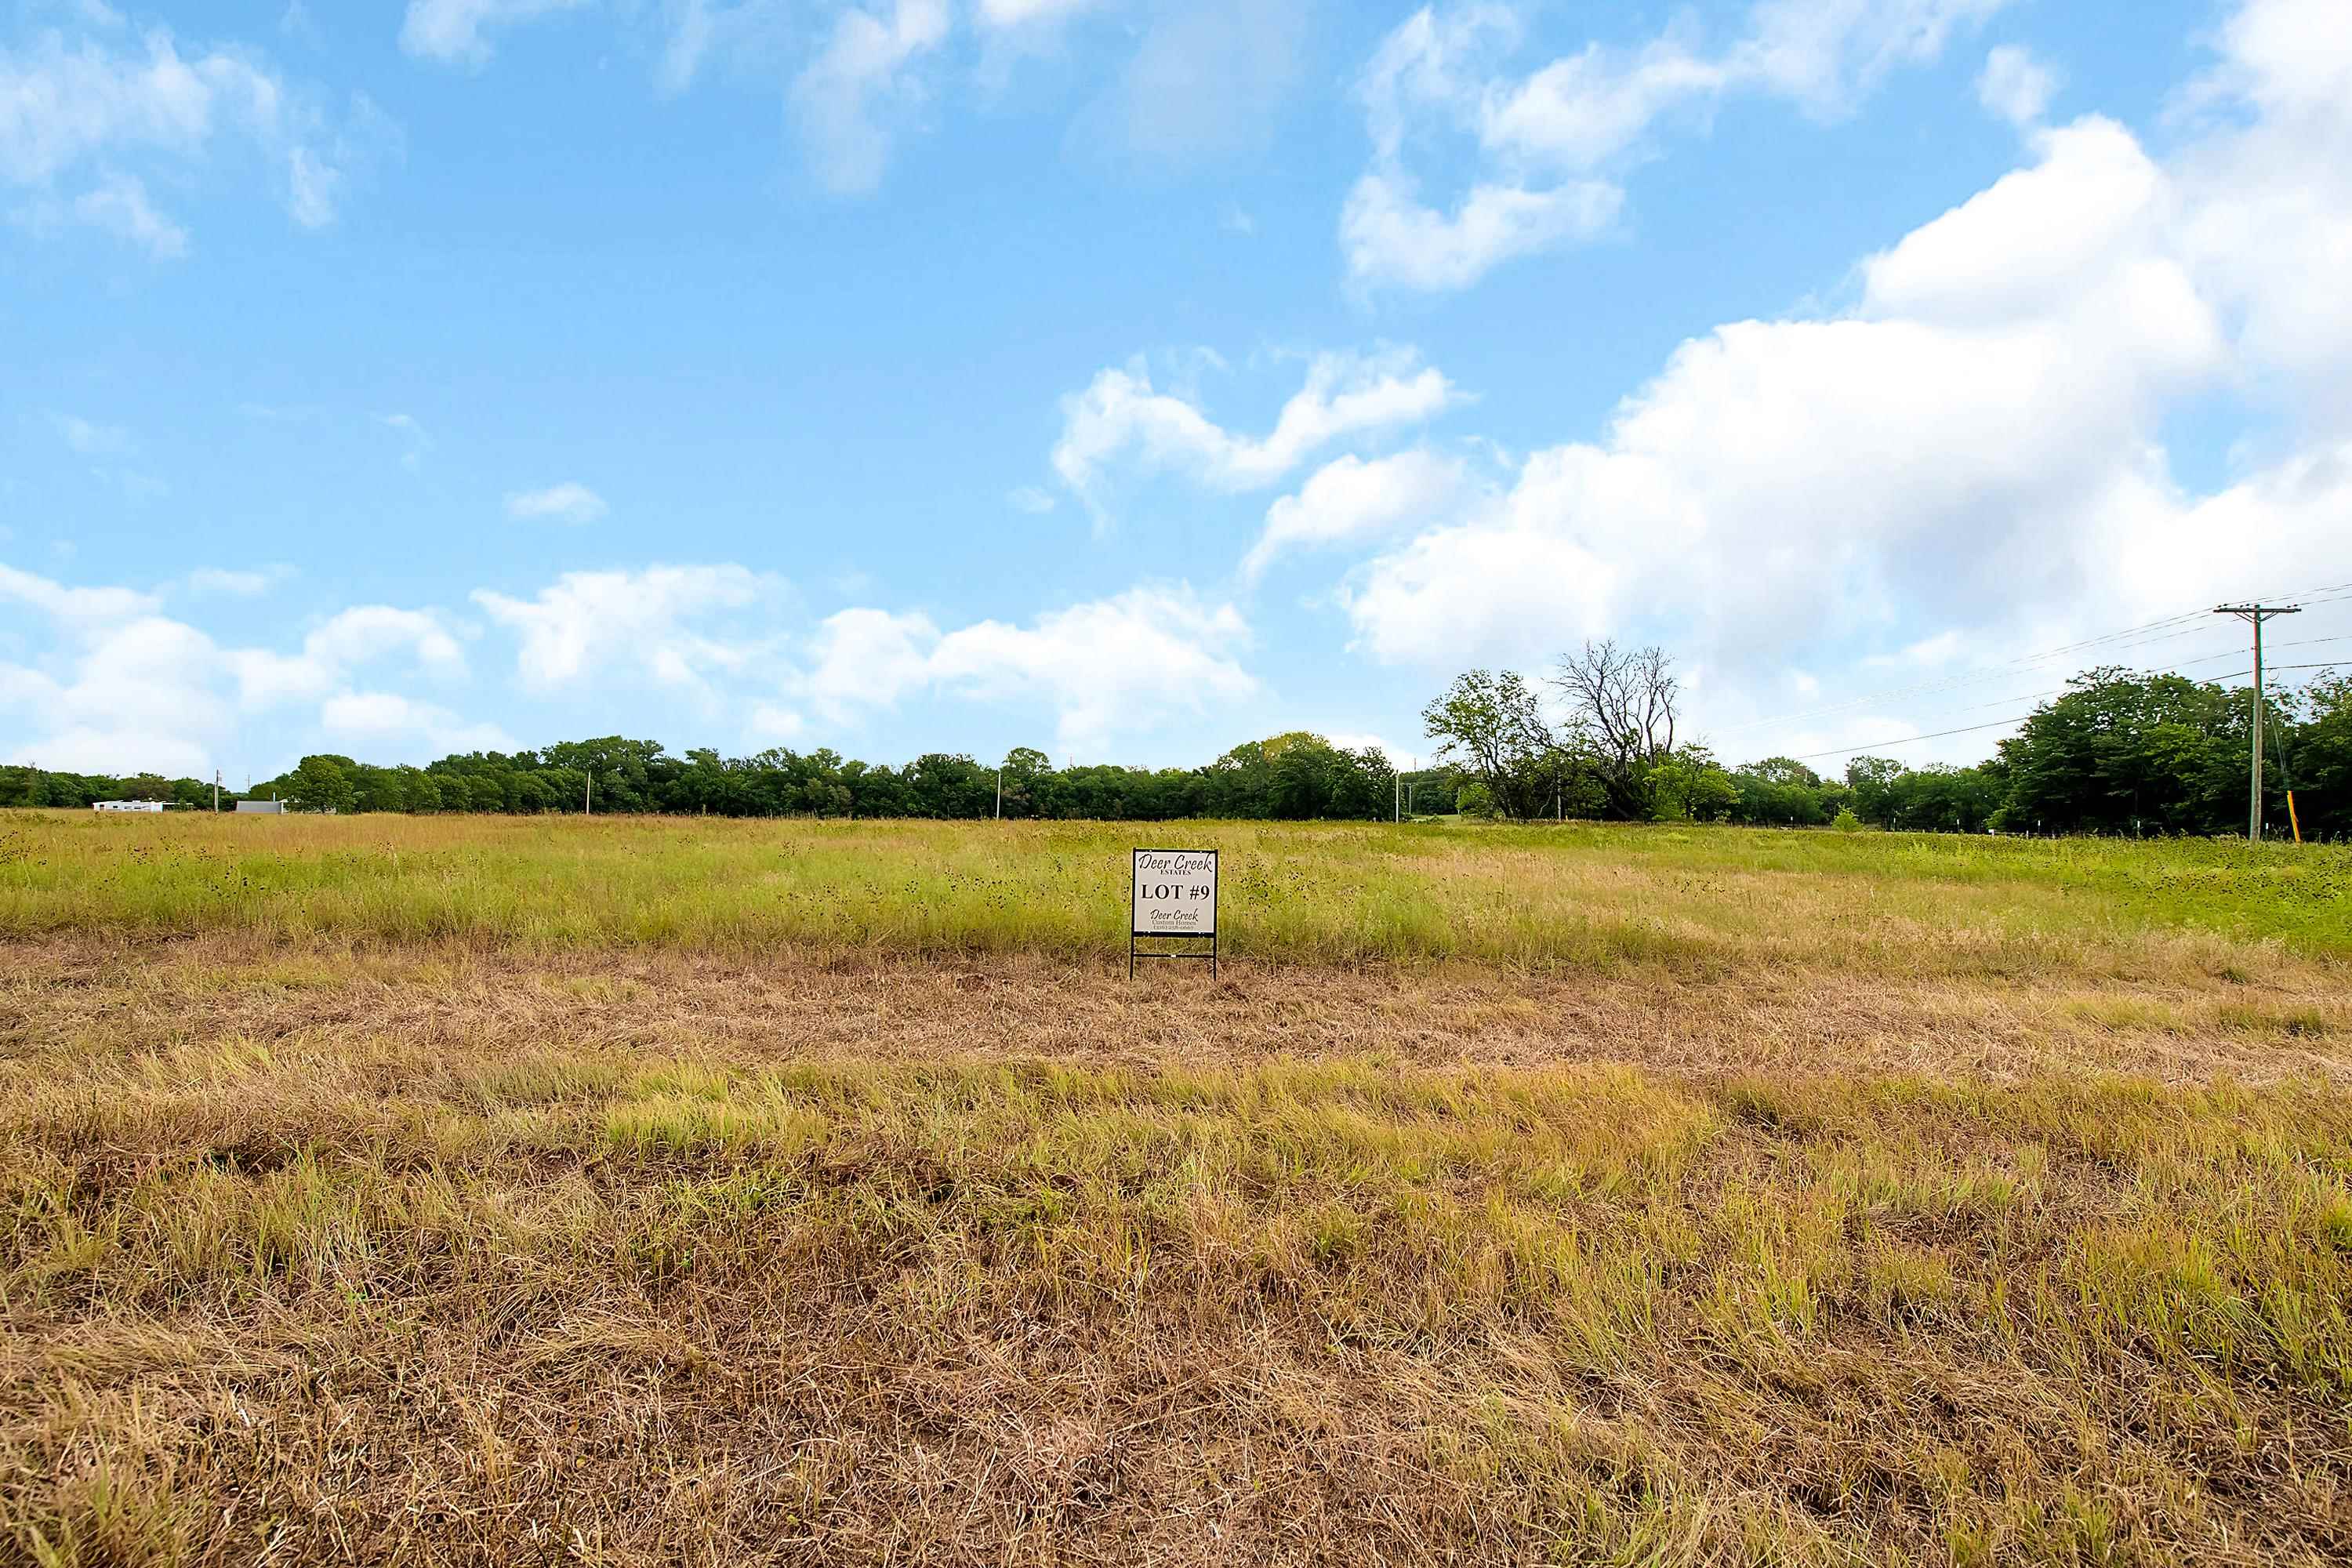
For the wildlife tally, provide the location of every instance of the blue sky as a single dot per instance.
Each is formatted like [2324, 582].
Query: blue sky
[1133, 377]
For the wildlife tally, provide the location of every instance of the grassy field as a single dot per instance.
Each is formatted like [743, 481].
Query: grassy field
[391, 1189]
[1578, 897]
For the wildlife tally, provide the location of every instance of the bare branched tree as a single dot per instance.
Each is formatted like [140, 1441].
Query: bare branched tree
[1621, 705]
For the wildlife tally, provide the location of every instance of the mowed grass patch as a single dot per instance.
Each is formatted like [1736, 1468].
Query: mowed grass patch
[348, 1300]
[1688, 899]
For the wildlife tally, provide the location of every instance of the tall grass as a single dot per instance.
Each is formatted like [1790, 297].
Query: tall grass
[1576, 895]
[502, 1191]
[375, 1302]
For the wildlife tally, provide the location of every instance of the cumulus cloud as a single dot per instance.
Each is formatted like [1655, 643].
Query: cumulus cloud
[1029, 12]
[1549, 147]
[648, 622]
[848, 99]
[415, 440]
[568, 502]
[1976, 444]
[1388, 235]
[1121, 418]
[88, 438]
[76, 606]
[233, 583]
[1351, 500]
[456, 32]
[88, 112]
[1207, 79]
[120, 687]
[868, 658]
[344, 642]
[1106, 666]
[2016, 86]
[381, 719]
[117, 205]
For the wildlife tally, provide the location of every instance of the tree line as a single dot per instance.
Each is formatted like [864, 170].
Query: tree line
[2118, 753]
[1297, 776]
[1599, 738]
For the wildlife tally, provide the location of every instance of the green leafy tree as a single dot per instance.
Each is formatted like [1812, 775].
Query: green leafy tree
[1686, 785]
[1490, 725]
[321, 784]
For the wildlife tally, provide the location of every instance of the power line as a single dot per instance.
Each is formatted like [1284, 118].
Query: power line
[1938, 735]
[2167, 628]
[2021, 717]
[1990, 672]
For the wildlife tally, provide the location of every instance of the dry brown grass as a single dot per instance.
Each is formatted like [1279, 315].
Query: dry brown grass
[426, 1253]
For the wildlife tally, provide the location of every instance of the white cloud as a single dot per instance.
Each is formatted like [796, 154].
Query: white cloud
[89, 439]
[847, 100]
[1208, 79]
[1121, 416]
[1351, 500]
[1348, 740]
[1106, 666]
[1827, 54]
[1974, 447]
[415, 440]
[1114, 665]
[347, 641]
[1550, 145]
[122, 688]
[589, 621]
[118, 206]
[2016, 86]
[567, 502]
[77, 605]
[237, 584]
[775, 724]
[387, 717]
[868, 658]
[2266, 196]
[1579, 114]
[456, 31]
[1389, 237]
[1028, 13]
[83, 117]
[1031, 500]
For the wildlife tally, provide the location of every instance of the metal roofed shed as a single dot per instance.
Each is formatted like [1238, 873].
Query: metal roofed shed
[262, 807]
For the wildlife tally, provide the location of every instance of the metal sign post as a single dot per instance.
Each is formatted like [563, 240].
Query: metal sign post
[1173, 895]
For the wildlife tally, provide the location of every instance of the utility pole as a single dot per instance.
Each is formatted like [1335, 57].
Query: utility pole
[216, 792]
[588, 797]
[2256, 614]
[1000, 791]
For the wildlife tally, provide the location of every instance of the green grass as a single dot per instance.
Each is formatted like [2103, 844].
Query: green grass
[638, 1190]
[1576, 895]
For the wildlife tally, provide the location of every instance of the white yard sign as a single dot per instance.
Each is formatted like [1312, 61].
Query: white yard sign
[1174, 894]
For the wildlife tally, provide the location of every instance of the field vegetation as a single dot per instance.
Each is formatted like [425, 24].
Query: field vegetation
[1576, 894]
[644, 1191]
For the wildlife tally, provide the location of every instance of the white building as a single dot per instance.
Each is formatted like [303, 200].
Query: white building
[127, 806]
[264, 807]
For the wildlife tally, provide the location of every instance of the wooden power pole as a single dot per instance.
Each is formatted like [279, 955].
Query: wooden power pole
[2257, 614]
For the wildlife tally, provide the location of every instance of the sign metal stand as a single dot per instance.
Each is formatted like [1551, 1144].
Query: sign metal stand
[1171, 889]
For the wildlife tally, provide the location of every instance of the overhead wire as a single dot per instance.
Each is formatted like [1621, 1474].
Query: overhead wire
[2165, 628]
